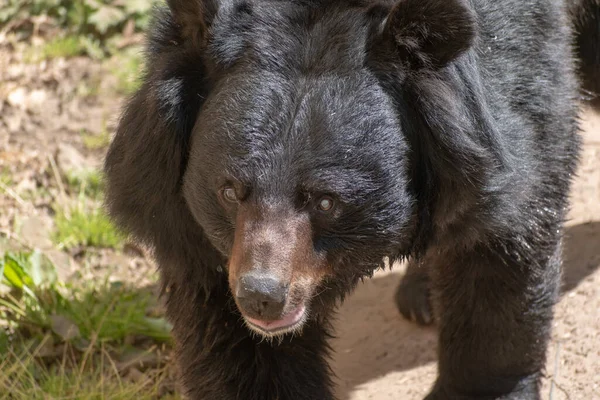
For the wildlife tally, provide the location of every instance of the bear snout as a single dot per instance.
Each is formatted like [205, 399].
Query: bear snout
[273, 268]
[261, 296]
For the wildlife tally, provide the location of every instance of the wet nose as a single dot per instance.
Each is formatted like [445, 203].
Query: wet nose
[261, 296]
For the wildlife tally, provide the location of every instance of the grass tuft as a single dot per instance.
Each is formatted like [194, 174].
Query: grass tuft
[81, 226]
[66, 47]
[6, 177]
[61, 47]
[61, 340]
[84, 222]
[36, 302]
[127, 67]
[90, 182]
[96, 141]
[26, 376]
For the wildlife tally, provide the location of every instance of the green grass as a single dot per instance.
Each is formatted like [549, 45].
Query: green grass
[66, 47]
[89, 25]
[85, 226]
[98, 311]
[6, 177]
[63, 341]
[127, 66]
[90, 182]
[96, 141]
[69, 46]
[83, 222]
[25, 376]
[113, 312]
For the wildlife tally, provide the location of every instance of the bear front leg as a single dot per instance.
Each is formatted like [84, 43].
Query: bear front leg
[221, 359]
[496, 308]
[413, 295]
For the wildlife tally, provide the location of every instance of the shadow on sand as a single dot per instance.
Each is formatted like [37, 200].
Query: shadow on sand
[373, 340]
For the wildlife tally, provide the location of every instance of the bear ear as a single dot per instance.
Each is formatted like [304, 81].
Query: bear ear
[431, 33]
[194, 17]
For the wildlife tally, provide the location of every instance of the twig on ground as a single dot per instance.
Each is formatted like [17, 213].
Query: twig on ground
[555, 375]
[562, 389]
[55, 171]
[13, 194]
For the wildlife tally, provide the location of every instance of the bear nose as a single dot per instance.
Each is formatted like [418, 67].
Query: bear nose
[261, 296]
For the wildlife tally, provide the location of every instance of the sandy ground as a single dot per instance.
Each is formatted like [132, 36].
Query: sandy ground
[380, 356]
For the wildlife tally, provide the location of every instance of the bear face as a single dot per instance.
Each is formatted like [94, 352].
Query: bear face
[298, 165]
[308, 187]
[316, 164]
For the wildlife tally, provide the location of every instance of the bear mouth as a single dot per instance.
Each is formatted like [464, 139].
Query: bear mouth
[289, 322]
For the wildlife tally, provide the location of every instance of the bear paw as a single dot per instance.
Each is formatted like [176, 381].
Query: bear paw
[413, 298]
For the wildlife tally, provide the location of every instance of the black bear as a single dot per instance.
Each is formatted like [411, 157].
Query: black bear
[279, 150]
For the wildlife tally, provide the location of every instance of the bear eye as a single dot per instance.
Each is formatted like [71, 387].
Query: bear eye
[230, 195]
[325, 204]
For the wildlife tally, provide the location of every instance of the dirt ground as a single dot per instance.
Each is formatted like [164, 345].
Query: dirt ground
[380, 356]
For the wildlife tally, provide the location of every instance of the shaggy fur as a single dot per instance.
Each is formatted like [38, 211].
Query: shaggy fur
[443, 131]
[586, 16]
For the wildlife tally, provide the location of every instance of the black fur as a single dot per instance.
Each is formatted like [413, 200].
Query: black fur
[586, 15]
[445, 130]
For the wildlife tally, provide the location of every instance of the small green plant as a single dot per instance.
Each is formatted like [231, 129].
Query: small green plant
[24, 377]
[6, 177]
[90, 182]
[83, 222]
[89, 321]
[85, 226]
[66, 47]
[127, 66]
[89, 24]
[37, 303]
[95, 141]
